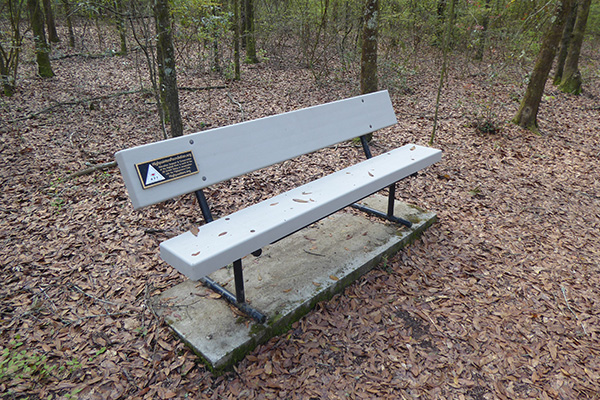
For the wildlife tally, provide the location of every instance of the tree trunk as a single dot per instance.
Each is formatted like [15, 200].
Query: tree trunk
[166, 66]
[7, 88]
[445, 44]
[215, 44]
[441, 19]
[571, 78]
[120, 19]
[484, 31]
[9, 58]
[526, 116]
[50, 23]
[249, 33]
[236, 39]
[368, 60]
[41, 46]
[68, 12]
[564, 44]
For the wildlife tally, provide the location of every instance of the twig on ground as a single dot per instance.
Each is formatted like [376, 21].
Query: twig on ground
[564, 293]
[70, 322]
[314, 254]
[83, 55]
[91, 169]
[148, 303]
[94, 297]
[75, 102]
[193, 89]
[43, 291]
[437, 328]
[237, 104]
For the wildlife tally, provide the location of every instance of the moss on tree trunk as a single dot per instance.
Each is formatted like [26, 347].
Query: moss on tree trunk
[50, 23]
[166, 66]
[526, 116]
[564, 44]
[368, 61]
[249, 34]
[571, 78]
[41, 46]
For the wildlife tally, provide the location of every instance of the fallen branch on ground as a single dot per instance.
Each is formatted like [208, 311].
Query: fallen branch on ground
[75, 102]
[193, 89]
[91, 169]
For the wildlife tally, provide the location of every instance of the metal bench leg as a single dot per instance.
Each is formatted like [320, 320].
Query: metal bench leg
[392, 190]
[239, 299]
[391, 199]
[380, 214]
[204, 206]
[231, 298]
[238, 275]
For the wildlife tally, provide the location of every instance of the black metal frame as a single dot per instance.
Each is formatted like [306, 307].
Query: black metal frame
[391, 195]
[239, 299]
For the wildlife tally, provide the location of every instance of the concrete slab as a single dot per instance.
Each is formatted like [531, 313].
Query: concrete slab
[286, 281]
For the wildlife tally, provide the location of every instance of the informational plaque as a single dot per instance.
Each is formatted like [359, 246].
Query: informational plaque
[166, 169]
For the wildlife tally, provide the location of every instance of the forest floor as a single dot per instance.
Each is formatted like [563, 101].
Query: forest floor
[500, 299]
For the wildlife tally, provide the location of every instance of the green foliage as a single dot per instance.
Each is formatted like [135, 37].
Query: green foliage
[412, 22]
[326, 33]
[26, 368]
[10, 43]
[200, 20]
[18, 364]
[55, 192]
[395, 73]
[593, 23]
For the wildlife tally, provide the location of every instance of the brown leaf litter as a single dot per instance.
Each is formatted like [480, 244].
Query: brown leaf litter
[498, 300]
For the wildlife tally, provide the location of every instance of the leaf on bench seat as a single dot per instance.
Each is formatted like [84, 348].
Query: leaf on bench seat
[194, 230]
[274, 204]
[222, 233]
[300, 201]
[195, 254]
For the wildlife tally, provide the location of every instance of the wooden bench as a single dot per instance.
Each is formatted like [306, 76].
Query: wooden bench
[160, 171]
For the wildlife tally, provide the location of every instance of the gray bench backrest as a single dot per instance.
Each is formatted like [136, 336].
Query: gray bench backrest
[159, 171]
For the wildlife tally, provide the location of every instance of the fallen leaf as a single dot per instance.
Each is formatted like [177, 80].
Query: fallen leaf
[552, 349]
[268, 368]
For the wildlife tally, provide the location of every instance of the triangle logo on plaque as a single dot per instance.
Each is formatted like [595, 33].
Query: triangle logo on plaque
[153, 176]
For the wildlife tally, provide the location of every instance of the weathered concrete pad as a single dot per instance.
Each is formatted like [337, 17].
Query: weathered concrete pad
[286, 281]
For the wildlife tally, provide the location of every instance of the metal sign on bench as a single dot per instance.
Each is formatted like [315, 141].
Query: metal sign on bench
[162, 170]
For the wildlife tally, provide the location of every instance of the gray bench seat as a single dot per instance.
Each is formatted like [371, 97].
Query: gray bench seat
[227, 239]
